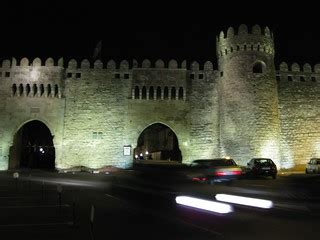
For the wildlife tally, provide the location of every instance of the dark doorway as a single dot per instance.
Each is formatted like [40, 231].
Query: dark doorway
[158, 142]
[257, 68]
[33, 147]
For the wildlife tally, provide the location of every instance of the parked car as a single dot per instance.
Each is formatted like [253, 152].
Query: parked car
[214, 170]
[262, 167]
[313, 166]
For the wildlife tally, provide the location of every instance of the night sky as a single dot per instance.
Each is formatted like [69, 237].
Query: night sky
[152, 29]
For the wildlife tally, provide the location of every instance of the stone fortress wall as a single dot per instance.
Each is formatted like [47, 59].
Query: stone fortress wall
[94, 109]
[299, 101]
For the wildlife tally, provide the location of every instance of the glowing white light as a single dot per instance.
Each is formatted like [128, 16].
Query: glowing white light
[269, 149]
[147, 152]
[41, 149]
[141, 154]
[253, 202]
[204, 204]
[185, 143]
[287, 160]
[35, 74]
[136, 156]
[227, 157]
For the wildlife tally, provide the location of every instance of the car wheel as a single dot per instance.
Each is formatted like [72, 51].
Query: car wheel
[307, 171]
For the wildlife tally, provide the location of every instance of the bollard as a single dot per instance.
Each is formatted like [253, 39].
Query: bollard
[91, 222]
[29, 182]
[59, 201]
[16, 176]
[59, 190]
[74, 213]
[42, 190]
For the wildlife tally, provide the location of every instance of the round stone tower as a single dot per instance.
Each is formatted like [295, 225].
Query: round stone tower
[249, 118]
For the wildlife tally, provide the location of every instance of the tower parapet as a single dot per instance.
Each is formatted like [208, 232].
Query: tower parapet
[244, 40]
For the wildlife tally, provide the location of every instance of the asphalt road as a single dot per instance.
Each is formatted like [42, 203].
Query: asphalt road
[141, 205]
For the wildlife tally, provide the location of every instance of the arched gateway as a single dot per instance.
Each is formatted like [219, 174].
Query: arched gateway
[158, 142]
[33, 147]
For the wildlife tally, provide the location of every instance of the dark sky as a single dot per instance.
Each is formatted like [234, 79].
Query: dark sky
[152, 29]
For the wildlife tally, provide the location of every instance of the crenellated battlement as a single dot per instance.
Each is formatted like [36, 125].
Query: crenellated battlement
[25, 62]
[297, 73]
[244, 32]
[123, 65]
[243, 40]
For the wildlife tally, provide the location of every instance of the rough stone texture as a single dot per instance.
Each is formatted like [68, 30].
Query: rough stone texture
[204, 115]
[95, 109]
[299, 103]
[18, 109]
[171, 111]
[249, 119]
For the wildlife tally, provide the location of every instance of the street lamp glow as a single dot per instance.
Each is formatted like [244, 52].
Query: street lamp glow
[141, 154]
[147, 152]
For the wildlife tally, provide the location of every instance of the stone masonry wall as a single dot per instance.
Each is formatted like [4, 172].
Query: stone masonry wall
[95, 116]
[204, 111]
[30, 91]
[94, 110]
[299, 102]
[249, 120]
[164, 105]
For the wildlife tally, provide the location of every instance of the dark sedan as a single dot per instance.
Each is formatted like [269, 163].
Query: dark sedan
[262, 167]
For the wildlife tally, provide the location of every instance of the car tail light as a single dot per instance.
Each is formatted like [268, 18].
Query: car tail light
[220, 173]
[199, 179]
[236, 172]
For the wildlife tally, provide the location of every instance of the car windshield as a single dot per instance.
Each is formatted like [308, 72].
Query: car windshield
[215, 162]
[263, 161]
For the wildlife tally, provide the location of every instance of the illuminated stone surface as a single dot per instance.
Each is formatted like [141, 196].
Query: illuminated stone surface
[94, 109]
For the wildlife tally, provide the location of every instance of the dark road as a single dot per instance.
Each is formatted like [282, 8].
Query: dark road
[142, 206]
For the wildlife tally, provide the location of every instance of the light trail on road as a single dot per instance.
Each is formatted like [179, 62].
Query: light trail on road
[204, 204]
[252, 202]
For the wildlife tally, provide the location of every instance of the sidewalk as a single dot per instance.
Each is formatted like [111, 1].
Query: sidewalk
[298, 169]
[285, 173]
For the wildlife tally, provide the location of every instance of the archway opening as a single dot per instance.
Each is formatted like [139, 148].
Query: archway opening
[32, 147]
[258, 67]
[158, 143]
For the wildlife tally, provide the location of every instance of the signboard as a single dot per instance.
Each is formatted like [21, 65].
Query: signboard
[126, 150]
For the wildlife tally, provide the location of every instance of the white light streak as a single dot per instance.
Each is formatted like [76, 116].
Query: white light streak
[204, 204]
[253, 202]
